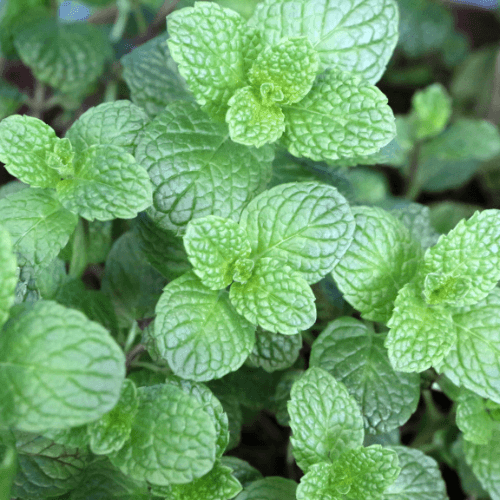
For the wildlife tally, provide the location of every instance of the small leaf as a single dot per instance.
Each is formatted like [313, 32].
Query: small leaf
[8, 275]
[417, 218]
[213, 246]
[325, 419]
[198, 331]
[276, 297]
[241, 470]
[107, 184]
[269, 488]
[168, 423]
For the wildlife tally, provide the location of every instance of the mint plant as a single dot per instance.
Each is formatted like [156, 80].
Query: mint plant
[192, 257]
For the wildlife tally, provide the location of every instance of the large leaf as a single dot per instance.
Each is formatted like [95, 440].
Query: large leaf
[8, 275]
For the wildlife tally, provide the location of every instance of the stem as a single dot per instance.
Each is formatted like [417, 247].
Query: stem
[132, 334]
[150, 366]
[121, 22]
[413, 188]
[37, 103]
[135, 352]
[140, 19]
[111, 91]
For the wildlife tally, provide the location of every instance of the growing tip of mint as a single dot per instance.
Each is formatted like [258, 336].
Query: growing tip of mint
[445, 288]
[243, 270]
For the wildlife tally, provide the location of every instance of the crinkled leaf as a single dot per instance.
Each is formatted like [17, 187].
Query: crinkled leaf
[276, 297]
[352, 352]
[269, 488]
[107, 184]
[38, 224]
[196, 170]
[420, 477]
[341, 117]
[152, 76]
[29, 149]
[354, 36]
[74, 437]
[466, 261]
[324, 417]
[118, 123]
[382, 258]
[420, 335]
[172, 439]
[48, 346]
[8, 275]
[307, 225]
[206, 41]
[68, 57]
[110, 432]
[241, 470]
[253, 121]
[198, 331]
[214, 247]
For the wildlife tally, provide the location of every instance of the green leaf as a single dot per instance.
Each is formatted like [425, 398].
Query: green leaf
[274, 352]
[74, 437]
[48, 346]
[269, 488]
[446, 215]
[342, 116]
[206, 41]
[218, 484]
[107, 184]
[211, 406]
[436, 175]
[352, 352]
[282, 395]
[112, 430]
[466, 261]
[118, 123]
[198, 331]
[420, 477]
[68, 57]
[196, 170]
[352, 36]
[432, 110]
[29, 149]
[382, 258]
[420, 335]
[168, 423]
[306, 225]
[11, 99]
[152, 76]
[255, 120]
[290, 66]
[8, 275]
[242, 470]
[8, 470]
[38, 224]
[358, 473]
[474, 362]
[46, 469]
[276, 297]
[216, 247]
[325, 419]
[485, 462]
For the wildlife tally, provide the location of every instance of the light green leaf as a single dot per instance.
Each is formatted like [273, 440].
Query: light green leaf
[474, 362]
[8, 470]
[358, 473]
[352, 352]
[196, 170]
[218, 484]
[325, 419]
[466, 261]
[118, 123]
[420, 477]
[307, 225]
[28, 147]
[382, 258]
[353, 36]
[152, 76]
[341, 117]
[206, 41]
[216, 247]
[420, 335]
[172, 439]
[107, 184]
[110, 432]
[485, 462]
[432, 110]
[211, 406]
[241, 470]
[255, 120]
[68, 57]
[269, 488]
[274, 352]
[8, 275]
[38, 224]
[276, 297]
[48, 346]
[290, 66]
[198, 331]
